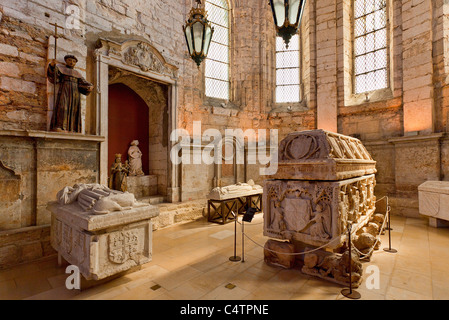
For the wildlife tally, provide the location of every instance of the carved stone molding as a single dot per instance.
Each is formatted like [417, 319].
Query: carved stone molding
[137, 53]
[322, 155]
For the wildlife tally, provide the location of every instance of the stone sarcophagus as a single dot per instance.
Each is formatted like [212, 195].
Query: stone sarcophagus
[325, 182]
[102, 231]
[434, 202]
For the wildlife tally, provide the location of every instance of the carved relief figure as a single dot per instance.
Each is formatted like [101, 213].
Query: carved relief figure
[135, 159]
[371, 197]
[363, 197]
[321, 226]
[67, 110]
[118, 173]
[353, 213]
[276, 217]
[343, 207]
[334, 267]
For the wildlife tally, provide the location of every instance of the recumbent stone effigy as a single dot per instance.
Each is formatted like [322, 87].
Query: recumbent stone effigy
[324, 183]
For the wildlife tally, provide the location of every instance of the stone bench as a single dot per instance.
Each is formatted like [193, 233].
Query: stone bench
[434, 202]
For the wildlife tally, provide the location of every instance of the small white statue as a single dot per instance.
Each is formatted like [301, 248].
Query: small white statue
[135, 159]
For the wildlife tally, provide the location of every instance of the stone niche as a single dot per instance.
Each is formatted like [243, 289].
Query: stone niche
[324, 183]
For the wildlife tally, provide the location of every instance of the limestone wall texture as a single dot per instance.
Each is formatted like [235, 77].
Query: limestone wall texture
[404, 126]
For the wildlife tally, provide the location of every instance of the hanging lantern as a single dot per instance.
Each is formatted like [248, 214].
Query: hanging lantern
[198, 32]
[287, 16]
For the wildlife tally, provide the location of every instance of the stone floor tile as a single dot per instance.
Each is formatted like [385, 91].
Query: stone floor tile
[191, 261]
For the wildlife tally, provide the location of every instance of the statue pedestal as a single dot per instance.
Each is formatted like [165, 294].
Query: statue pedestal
[142, 186]
[102, 246]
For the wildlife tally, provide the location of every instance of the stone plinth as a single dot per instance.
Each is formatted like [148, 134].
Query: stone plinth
[102, 245]
[142, 186]
[434, 202]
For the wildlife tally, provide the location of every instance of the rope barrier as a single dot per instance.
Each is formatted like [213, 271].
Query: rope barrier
[291, 254]
[362, 255]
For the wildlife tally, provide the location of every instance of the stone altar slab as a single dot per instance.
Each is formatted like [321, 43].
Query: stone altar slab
[434, 202]
[102, 245]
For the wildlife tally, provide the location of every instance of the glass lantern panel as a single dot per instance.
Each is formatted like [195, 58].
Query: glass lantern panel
[207, 39]
[279, 11]
[188, 33]
[293, 11]
[198, 36]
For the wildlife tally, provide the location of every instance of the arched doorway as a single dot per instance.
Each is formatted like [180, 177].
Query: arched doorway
[128, 120]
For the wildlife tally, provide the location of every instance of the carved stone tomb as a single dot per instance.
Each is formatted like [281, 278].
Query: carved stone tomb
[102, 231]
[325, 181]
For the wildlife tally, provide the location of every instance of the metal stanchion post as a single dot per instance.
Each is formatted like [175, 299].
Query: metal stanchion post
[389, 249]
[388, 210]
[349, 293]
[248, 217]
[235, 258]
[243, 241]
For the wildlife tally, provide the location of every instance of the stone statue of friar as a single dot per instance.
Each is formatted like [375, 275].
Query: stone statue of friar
[67, 109]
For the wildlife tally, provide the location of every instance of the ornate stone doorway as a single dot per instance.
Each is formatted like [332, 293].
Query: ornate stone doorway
[140, 67]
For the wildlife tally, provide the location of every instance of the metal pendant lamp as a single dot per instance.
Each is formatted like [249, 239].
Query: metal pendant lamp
[287, 16]
[198, 32]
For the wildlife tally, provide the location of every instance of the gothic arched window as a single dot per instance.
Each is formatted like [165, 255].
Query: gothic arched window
[287, 70]
[217, 82]
[370, 45]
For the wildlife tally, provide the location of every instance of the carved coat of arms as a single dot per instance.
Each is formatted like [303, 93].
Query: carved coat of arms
[123, 246]
[142, 56]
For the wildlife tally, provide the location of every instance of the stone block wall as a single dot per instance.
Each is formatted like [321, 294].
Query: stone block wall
[34, 166]
[23, 86]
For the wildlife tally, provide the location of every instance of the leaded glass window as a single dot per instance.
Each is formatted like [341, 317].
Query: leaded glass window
[370, 45]
[217, 62]
[287, 70]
